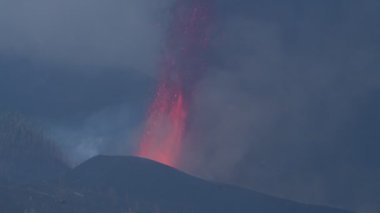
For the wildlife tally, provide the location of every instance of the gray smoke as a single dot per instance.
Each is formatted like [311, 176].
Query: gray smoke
[84, 69]
[289, 105]
[108, 33]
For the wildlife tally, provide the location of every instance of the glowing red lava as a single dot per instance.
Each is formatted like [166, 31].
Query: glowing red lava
[165, 126]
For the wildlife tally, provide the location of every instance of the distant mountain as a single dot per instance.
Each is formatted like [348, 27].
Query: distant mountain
[26, 154]
[130, 185]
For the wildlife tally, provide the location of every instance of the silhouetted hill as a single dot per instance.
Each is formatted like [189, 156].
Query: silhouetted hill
[106, 184]
[142, 180]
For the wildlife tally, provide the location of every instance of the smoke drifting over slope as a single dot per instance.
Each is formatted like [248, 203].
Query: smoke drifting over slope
[277, 109]
[288, 106]
[24, 148]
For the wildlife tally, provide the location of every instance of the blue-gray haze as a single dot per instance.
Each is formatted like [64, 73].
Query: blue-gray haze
[289, 104]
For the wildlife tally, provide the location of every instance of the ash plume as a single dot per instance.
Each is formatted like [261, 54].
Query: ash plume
[288, 105]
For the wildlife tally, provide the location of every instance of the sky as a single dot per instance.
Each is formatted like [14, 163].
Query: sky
[288, 104]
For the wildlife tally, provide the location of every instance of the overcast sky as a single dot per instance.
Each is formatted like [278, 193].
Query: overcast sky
[289, 104]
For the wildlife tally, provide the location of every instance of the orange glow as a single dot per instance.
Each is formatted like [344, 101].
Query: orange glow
[182, 64]
[165, 126]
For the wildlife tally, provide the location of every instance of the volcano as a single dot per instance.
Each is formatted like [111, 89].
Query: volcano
[122, 184]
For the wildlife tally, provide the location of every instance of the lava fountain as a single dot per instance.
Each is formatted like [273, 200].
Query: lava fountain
[182, 63]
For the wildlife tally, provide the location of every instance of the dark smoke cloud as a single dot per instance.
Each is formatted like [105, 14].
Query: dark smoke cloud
[289, 105]
[84, 69]
[111, 33]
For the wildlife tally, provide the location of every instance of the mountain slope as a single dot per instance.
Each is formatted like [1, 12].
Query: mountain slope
[134, 185]
[26, 154]
[145, 181]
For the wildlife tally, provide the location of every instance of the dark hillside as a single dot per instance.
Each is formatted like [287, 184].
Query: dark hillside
[26, 154]
[143, 180]
[133, 185]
